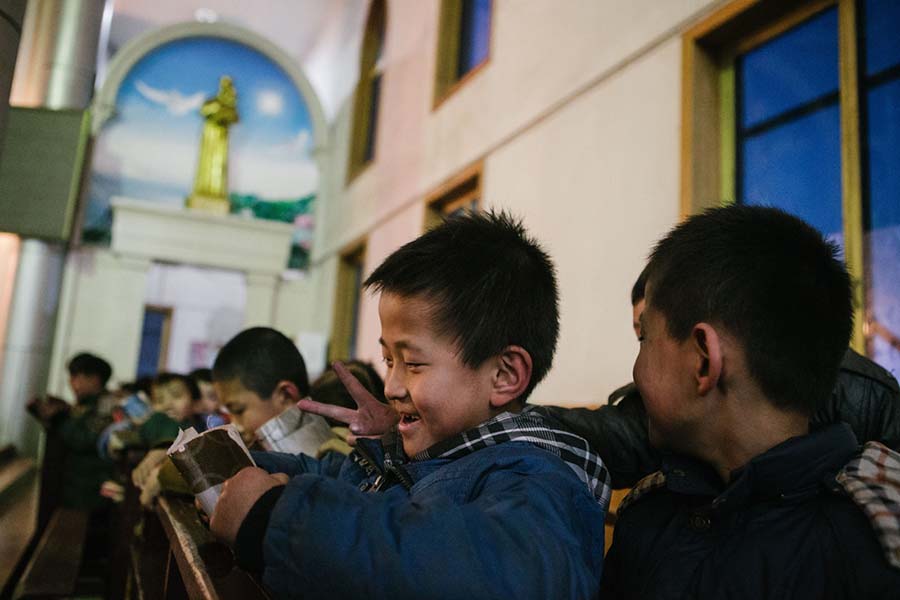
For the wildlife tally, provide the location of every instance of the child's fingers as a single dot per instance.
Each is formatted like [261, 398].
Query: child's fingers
[338, 413]
[359, 393]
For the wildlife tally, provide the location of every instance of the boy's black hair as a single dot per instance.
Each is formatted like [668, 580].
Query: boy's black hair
[491, 285]
[201, 375]
[329, 389]
[259, 358]
[637, 290]
[90, 364]
[162, 379]
[142, 384]
[769, 279]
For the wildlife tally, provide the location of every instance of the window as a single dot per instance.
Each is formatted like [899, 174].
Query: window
[154, 340]
[346, 305]
[368, 92]
[463, 43]
[460, 194]
[808, 102]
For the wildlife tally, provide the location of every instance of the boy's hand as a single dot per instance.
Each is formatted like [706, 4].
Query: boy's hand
[238, 496]
[373, 418]
[140, 475]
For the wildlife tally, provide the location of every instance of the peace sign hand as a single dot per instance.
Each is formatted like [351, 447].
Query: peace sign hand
[372, 418]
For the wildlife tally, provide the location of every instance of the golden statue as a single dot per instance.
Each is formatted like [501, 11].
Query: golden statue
[211, 182]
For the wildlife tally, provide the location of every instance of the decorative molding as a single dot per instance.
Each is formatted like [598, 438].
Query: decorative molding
[174, 234]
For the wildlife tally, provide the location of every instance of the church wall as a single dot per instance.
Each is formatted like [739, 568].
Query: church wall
[576, 120]
[101, 311]
[598, 189]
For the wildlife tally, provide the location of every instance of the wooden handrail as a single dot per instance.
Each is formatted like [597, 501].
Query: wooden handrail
[53, 569]
[205, 566]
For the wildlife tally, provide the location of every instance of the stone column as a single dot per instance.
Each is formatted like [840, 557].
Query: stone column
[29, 335]
[55, 68]
[260, 307]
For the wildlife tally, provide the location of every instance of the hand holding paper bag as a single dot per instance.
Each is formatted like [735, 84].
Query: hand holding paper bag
[209, 459]
[238, 496]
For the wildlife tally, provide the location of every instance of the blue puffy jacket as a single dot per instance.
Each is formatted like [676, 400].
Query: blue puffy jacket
[507, 521]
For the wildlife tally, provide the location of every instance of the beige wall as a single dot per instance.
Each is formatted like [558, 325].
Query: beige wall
[577, 120]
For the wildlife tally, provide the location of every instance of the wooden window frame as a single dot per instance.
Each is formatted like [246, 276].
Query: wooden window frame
[347, 298]
[458, 190]
[373, 38]
[446, 82]
[708, 145]
[166, 311]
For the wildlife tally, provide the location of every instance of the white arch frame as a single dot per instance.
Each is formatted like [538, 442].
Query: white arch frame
[104, 104]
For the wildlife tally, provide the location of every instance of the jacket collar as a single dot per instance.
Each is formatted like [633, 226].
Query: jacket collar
[386, 456]
[794, 469]
[537, 429]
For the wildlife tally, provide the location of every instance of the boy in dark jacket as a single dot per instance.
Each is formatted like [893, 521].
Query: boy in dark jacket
[475, 496]
[865, 396]
[747, 319]
[78, 427]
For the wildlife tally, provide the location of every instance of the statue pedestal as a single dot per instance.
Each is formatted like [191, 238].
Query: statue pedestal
[208, 204]
[104, 294]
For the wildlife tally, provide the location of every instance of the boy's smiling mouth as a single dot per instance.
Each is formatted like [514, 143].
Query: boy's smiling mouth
[407, 421]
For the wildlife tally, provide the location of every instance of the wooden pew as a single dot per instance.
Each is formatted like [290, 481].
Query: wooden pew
[53, 569]
[18, 514]
[196, 565]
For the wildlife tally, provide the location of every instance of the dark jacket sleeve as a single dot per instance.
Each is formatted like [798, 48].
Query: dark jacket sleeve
[618, 433]
[524, 535]
[80, 433]
[867, 398]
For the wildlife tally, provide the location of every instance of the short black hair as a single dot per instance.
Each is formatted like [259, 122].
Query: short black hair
[166, 378]
[259, 358]
[491, 285]
[770, 280]
[141, 384]
[329, 389]
[201, 375]
[86, 363]
[637, 290]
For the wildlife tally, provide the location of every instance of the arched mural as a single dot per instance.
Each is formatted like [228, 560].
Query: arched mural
[149, 148]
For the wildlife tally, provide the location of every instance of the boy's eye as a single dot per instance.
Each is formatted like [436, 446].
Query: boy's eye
[640, 338]
[389, 362]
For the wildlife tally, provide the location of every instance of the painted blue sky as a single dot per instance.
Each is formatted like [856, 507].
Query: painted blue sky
[168, 86]
[153, 141]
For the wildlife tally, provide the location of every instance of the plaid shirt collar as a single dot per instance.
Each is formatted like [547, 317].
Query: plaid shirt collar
[532, 427]
[872, 480]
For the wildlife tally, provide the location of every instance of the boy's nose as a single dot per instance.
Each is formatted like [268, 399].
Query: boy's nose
[394, 386]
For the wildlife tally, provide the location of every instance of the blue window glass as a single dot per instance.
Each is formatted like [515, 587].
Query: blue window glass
[372, 127]
[789, 71]
[797, 167]
[357, 292]
[474, 35]
[882, 35]
[151, 343]
[883, 236]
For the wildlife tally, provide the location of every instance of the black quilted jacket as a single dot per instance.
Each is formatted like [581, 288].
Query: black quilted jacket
[865, 396]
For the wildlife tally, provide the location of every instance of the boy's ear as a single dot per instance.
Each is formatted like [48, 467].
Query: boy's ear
[512, 375]
[707, 348]
[286, 393]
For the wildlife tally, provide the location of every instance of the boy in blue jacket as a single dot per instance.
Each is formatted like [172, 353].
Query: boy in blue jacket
[471, 495]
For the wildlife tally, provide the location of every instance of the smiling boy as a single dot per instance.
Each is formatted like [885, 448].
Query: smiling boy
[479, 496]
